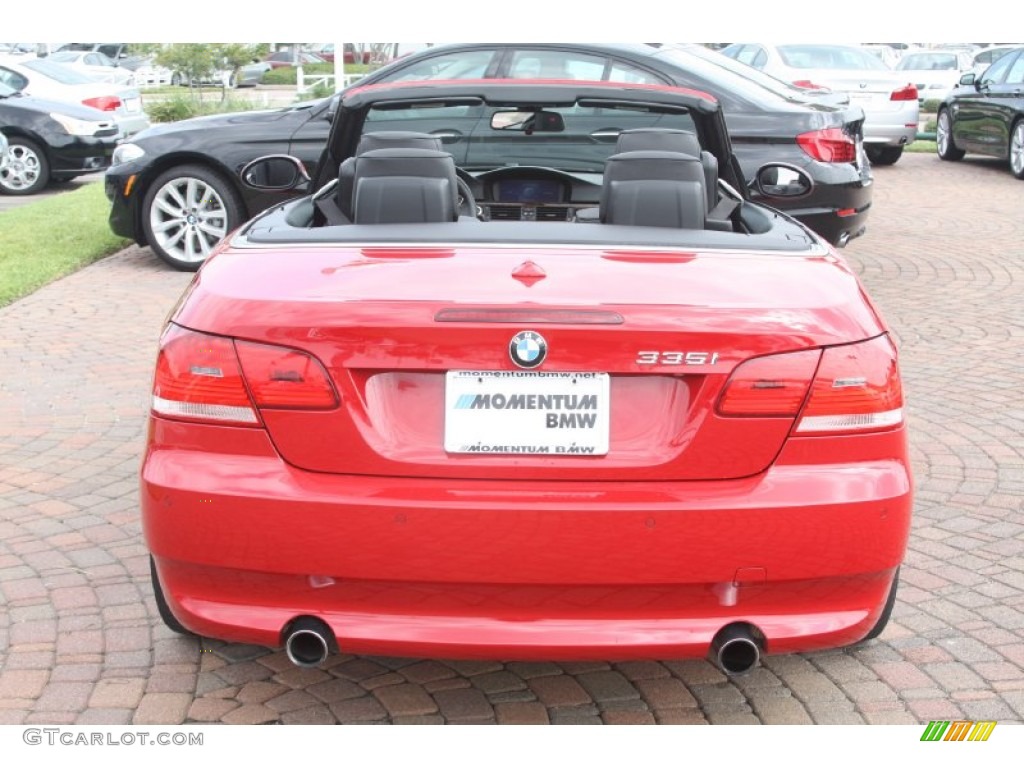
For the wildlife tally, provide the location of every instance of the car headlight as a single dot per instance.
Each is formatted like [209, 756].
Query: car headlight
[77, 127]
[125, 153]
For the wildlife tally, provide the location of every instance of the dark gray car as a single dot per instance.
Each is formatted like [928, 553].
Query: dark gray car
[768, 120]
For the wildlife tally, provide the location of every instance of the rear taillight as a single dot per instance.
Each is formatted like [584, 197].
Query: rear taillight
[840, 389]
[829, 145]
[103, 103]
[285, 378]
[857, 388]
[209, 378]
[906, 93]
[198, 377]
[769, 386]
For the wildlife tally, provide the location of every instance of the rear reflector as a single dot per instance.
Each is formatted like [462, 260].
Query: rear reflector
[906, 93]
[198, 378]
[857, 388]
[829, 145]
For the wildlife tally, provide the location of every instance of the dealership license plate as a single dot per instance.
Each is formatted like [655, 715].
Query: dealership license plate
[132, 105]
[527, 412]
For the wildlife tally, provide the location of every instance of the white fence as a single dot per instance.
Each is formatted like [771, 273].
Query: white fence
[307, 83]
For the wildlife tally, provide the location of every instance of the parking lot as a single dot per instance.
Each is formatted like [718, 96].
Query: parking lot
[81, 643]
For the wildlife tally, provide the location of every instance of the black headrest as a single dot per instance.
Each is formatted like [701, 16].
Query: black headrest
[397, 140]
[658, 139]
[370, 142]
[393, 186]
[650, 188]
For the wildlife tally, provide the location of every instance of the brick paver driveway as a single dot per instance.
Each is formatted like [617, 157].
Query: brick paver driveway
[79, 637]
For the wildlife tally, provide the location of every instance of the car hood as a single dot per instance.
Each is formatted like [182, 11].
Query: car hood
[46, 106]
[209, 122]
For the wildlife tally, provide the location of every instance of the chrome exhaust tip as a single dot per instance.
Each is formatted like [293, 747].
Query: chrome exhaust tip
[736, 648]
[308, 641]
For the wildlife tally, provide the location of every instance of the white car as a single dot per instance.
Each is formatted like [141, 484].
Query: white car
[3, 151]
[984, 57]
[889, 99]
[46, 79]
[935, 72]
[96, 65]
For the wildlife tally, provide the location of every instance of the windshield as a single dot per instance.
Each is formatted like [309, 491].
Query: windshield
[828, 57]
[939, 61]
[65, 56]
[580, 141]
[58, 72]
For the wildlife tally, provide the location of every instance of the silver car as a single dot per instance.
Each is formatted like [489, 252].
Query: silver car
[889, 99]
[935, 72]
[50, 80]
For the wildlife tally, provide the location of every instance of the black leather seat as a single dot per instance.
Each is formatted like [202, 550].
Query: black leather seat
[654, 189]
[404, 186]
[673, 140]
[371, 142]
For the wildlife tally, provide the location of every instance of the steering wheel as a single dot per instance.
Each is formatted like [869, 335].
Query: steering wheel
[467, 201]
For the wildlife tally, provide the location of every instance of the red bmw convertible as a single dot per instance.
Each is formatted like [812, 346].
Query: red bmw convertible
[526, 375]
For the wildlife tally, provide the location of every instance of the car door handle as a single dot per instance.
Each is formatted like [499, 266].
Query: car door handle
[609, 134]
[447, 137]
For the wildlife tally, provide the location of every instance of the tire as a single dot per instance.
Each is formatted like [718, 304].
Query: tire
[27, 171]
[944, 143]
[884, 155]
[890, 601]
[186, 211]
[161, 603]
[1017, 149]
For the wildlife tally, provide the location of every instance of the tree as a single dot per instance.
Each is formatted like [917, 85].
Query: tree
[197, 63]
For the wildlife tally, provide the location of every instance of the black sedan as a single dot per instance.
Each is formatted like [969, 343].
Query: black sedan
[985, 115]
[176, 189]
[51, 141]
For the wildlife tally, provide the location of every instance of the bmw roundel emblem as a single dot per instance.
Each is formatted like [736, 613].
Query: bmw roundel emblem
[528, 349]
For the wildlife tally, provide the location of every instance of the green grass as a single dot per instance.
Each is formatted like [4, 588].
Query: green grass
[182, 107]
[922, 145]
[54, 237]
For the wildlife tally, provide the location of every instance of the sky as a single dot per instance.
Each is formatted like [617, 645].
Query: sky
[768, 21]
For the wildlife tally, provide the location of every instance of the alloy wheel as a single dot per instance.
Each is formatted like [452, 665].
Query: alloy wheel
[22, 170]
[188, 218]
[942, 133]
[1017, 150]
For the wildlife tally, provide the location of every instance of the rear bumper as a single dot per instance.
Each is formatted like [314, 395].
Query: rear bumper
[244, 544]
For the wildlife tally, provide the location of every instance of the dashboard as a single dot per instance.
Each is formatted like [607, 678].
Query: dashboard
[534, 193]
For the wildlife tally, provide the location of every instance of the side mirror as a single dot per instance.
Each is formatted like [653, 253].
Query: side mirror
[276, 173]
[969, 79]
[780, 180]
